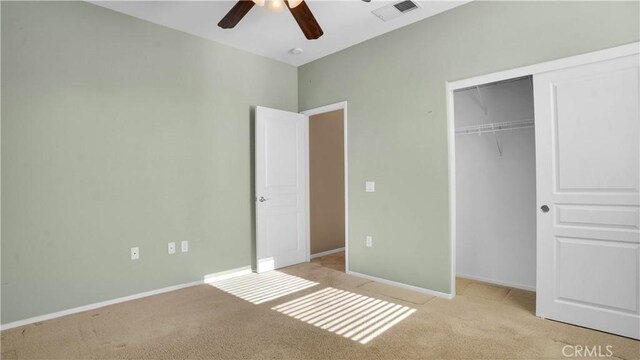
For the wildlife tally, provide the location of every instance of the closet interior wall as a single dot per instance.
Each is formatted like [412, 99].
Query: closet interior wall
[495, 185]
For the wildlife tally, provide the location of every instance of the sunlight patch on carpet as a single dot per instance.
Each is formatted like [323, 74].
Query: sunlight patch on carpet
[260, 288]
[354, 316]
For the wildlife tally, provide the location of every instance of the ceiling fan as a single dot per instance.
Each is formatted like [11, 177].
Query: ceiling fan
[298, 8]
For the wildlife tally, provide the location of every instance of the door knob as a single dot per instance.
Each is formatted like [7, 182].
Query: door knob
[262, 199]
[544, 208]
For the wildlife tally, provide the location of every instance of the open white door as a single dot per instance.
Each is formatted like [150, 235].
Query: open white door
[281, 188]
[588, 181]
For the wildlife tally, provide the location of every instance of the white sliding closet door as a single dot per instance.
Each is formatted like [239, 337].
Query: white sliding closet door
[588, 181]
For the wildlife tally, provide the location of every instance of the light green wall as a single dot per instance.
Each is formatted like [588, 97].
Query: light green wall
[119, 133]
[395, 85]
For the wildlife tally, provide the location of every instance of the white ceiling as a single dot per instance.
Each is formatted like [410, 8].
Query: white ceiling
[345, 23]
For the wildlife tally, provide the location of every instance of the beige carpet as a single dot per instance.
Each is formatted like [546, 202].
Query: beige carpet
[204, 322]
[334, 261]
[396, 293]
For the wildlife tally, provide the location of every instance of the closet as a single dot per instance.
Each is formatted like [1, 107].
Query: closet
[545, 185]
[496, 183]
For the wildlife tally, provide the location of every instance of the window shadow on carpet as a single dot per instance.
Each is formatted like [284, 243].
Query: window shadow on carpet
[354, 316]
[261, 288]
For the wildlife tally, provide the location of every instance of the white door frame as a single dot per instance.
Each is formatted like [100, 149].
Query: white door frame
[596, 56]
[321, 110]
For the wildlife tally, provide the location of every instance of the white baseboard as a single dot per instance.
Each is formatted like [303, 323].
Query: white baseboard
[228, 274]
[207, 279]
[497, 282]
[402, 285]
[328, 252]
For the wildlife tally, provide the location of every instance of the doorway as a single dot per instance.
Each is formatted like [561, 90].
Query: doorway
[328, 186]
[587, 178]
[282, 193]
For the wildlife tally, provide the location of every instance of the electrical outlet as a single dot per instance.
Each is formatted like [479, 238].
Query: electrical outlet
[171, 248]
[135, 253]
[369, 241]
[184, 246]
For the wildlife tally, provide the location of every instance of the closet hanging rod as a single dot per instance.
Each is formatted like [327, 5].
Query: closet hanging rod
[494, 127]
[495, 83]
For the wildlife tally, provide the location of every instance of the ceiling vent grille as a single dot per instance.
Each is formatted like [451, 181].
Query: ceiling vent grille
[395, 10]
[405, 6]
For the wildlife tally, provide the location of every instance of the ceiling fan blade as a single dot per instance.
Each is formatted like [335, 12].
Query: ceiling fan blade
[306, 21]
[237, 12]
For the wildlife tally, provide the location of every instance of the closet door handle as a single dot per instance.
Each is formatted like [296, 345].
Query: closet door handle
[544, 208]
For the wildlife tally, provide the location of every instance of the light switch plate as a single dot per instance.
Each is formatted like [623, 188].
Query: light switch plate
[135, 253]
[171, 248]
[370, 186]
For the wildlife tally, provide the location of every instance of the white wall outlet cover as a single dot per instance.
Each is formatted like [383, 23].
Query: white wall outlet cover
[184, 246]
[370, 186]
[135, 253]
[171, 248]
[369, 241]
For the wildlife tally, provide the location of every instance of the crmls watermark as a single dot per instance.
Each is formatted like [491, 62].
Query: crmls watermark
[579, 351]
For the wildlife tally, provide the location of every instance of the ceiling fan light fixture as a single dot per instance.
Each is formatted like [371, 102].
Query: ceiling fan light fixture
[275, 5]
[294, 3]
[301, 13]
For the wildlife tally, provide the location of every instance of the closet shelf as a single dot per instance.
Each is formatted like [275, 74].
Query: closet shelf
[494, 127]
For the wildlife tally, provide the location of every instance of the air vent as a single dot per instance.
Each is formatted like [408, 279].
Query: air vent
[405, 6]
[395, 10]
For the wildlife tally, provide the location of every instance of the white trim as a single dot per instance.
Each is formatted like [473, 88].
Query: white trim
[227, 274]
[587, 58]
[324, 109]
[531, 70]
[496, 282]
[320, 110]
[451, 138]
[402, 285]
[328, 252]
[57, 314]
[307, 166]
